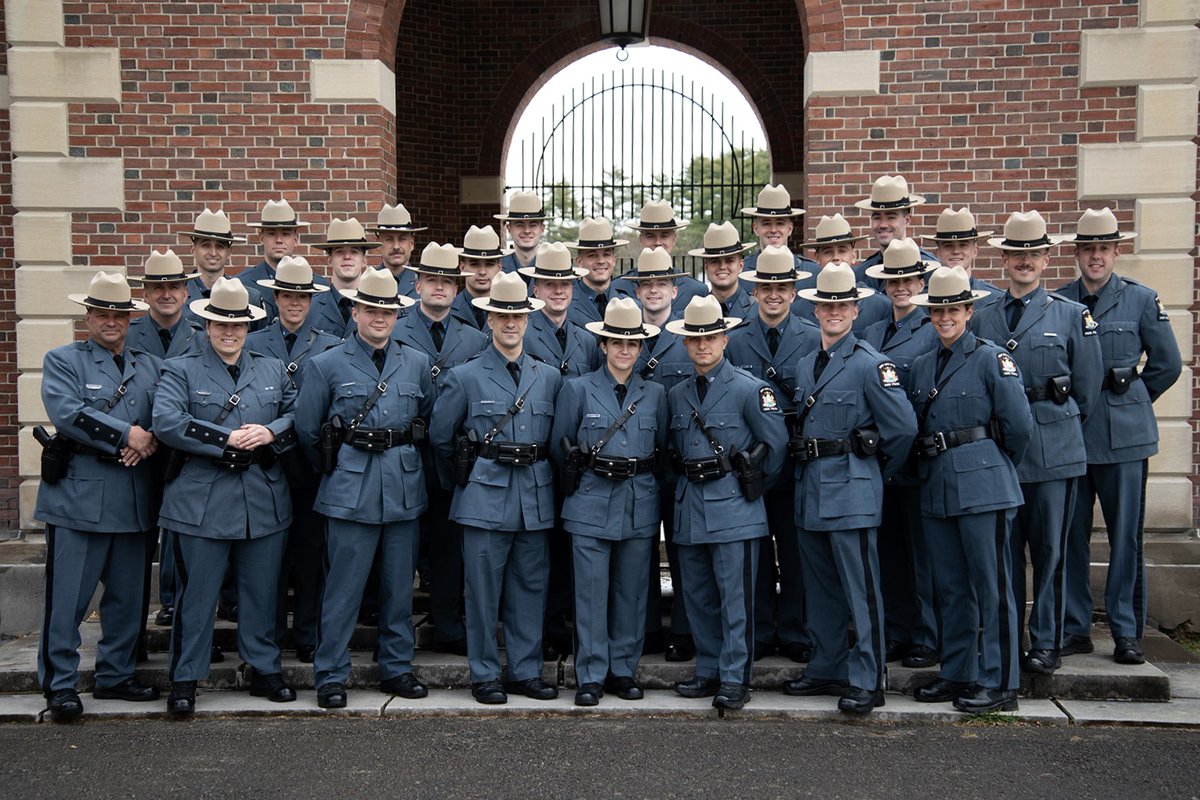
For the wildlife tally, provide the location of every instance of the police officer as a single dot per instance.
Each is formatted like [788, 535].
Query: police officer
[502, 403]
[768, 347]
[774, 221]
[293, 341]
[722, 254]
[394, 229]
[618, 422]
[367, 401]
[212, 241]
[1120, 435]
[279, 234]
[956, 242]
[855, 428]
[910, 612]
[525, 224]
[1053, 342]
[346, 245]
[230, 412]
[596, 253]
[974, 424]
[448, 342]
[99, 509]
[658, 227]
[834, 243]
[727, 430]
[480, 260]
[891, 205]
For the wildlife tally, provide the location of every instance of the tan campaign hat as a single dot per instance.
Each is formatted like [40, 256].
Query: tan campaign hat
[832, 230]
[773, 201]
[482, 243]
[212, 225]
[949, 286]
[955, 226]
[703, 317]
[277, 214]
[835, 284]
[165, 267]
[720, 241]
[394, 219]
[109, 291]
[1098, 226]
[509, 295]
[523, 205]
[227, 302]
[378, 288]
[596, 234]
[622, 320]
[1025, 230]
[657, 215]
[901, 259]
[655, 262]
[553, 263]
[439, 259]
[890, 194]
[293, 274]
[775, 265]
[345, 233]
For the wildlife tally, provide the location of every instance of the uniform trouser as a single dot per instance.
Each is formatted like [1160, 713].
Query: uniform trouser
[1042, 524]
[513, 564]
[444, 541]
[166, 570]
[303, 570]
[718, 582]
[906, 570]
[610, 606]
[779, 617]
[350, 549]
[77, 562]
[201, 565]
[972, 565]
[841, 582]
[559, 594]
[679, 617]
[1122, 491]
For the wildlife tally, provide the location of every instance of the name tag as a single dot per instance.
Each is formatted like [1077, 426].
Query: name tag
[486, 402]
[203, 394]
[1050, 333]
[94, 385]
[591, 416]
[351, 383]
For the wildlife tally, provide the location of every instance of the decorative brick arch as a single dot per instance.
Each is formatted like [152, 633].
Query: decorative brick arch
[371, 29]
[824, 26]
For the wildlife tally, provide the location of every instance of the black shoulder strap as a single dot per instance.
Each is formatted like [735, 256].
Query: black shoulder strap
[517, 405]
[117, 395]
[717, 447]
[776, 377]
[228, 408]
[608, 434]
[380, 388]
[936, 390]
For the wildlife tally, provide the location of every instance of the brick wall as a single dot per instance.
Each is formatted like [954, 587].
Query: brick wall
[9, 481]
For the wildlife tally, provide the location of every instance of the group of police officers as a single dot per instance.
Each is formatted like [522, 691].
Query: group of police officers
[834, 451]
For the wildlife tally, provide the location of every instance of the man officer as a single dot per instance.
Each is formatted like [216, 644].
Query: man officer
[525, 224]
[1120, 435]
[834, 243]
[394, 230]
[212, 240]
[99, 508]
[891, 205]
[774, 221]
[595, 252]
[279, 235]
[722, 254]
[1053, 342]
[480, 261]
[346, 245]
[657, 226]
[502, 403]
[956, 241]
[856, 427]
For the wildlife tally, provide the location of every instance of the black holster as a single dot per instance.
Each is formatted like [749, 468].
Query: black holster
[570, 472]
[333, 434]
[56, 454]
[419, 430]
[173, 464]
[864, 441]
[1120, 379]
[466, 450]
[747, 468]
[1060, 387]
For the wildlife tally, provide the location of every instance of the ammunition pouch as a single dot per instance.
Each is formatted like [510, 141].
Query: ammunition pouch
[1119, 379]
[513, 454]
[702, 470]
[1057, 389]
[864, 442]
[375, 440]
[620, 469]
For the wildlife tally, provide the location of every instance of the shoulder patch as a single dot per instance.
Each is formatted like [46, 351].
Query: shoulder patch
[1008, 367]
[888, 376]
[767, 400]
[1162, 311]
[1089, 324]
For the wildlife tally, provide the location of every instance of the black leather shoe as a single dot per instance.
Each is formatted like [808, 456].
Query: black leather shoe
[182, 700]
[489, 693]
[896, 650]
[680, 648]
[331, 695]
[165, 616]
[798, 652]
[229, 613]
[920, 656]
[1128, 651]
[271, 687]
[698, 687]
[1041, 661]
[128, 689]
[624, 687]
[533, 688]
[732, 696]
[942, 691]
[65, 705]
[588, 694]
[405, 685]
[456, 647]
[982, 701]
[859, 701]
[763, 649]
[1075, 645]
[215, 656]
[807, 687]
[305, 653]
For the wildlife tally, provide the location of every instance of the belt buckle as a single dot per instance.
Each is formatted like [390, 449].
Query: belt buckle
[292, 367]
[1011, 344]
[810, 401]
[381, 386]
[810, 449]
[652, 362]
[434, 371]
[234, 399]
[939, 442]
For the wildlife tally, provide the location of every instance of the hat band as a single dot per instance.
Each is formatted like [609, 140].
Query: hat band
[511, 305]
[279, 223]
[903, 201]
[470, 252]
[115, 305]
[723, 251]
[541, 272]
[834, 238]
[950, 299]
[175, 277]
[288, 286]
[438, 270]
[1028, 244]
[901, 272]
[340, 242]
[708, 327]
[650, 274]
[850, 294]
[238, 313]
[971, 233]
[1097, 237]
[527, 214]
[637, 330]
[375, 298]
[790, 275]
[211, 234]
[668, 224]
[598, 243]
[773, 212]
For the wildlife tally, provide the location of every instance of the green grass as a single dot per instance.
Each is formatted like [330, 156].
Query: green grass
[1189, 640]
[991, 719]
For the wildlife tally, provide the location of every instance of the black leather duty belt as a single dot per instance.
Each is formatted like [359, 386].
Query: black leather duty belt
[619, 469]
[513, 453]
[808, 449]
[377, 439]
[933, 444]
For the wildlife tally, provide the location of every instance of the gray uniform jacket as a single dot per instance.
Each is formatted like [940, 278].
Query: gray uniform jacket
[748, 350]
[78, 380]
[664, 359]
[263, 271]
[325, 314]
[461, 341]
[197, 289]
[582, 355]
[186, 337]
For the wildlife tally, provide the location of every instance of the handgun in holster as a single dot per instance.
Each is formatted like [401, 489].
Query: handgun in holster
[466, 450]
[747, 468]
[571, 470]
[56, 454]
[333, 435]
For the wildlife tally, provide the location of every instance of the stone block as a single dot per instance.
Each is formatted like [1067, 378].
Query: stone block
[77, 184]
[1168, 274]
[841, 74]
[1176, 402]
[1172, 598]
[1168, 12]
[1136, 169]
[353, 81]
[34, 22]
[480, 190]
[27, 502]
[42, 291]
[1166, 112]
[39, 129]
[1168, 503]
[1174, 448]
[1165, 225]
[41, 237]
[1129, 56]
[35, 337]
[78, 74]
[22, 594]
[30, 410]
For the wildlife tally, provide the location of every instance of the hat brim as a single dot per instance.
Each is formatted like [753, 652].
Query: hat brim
[615, 243]
[598, 328]
[914, 200]
[636, 225]
[200, 309]
[507, 218]
[144, 279]
[923, 300]
[462, 253]
[876, 271]
[752, 276]
[363, 245]
[673, 275]
[700, 253]
[1120, 237]
[829, 242]
[417, 268]
[754, 212]
[973, 238]
[998, 242]
[269, 283]
[292, 224]
[398, 229]
[811, 296]
[402, 301]
[531, 272]
[485, 304]
[230, 239]
[676, 327]
[85, 300]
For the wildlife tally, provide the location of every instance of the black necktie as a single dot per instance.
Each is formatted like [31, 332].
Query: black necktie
[724, 309]
[379, 356]
[773, 340]
[235, 372]
[289, 339]
[119, 360]
[344, 307]
[821, 363]
[1090, 301]
[480, 316]
[889, 333]
[1016, 307]
[164, 336]
[437, 332]
[701, 386]
[561, 335]
[514, 369]
[943, 359]
[621, 390]
[601, 303]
